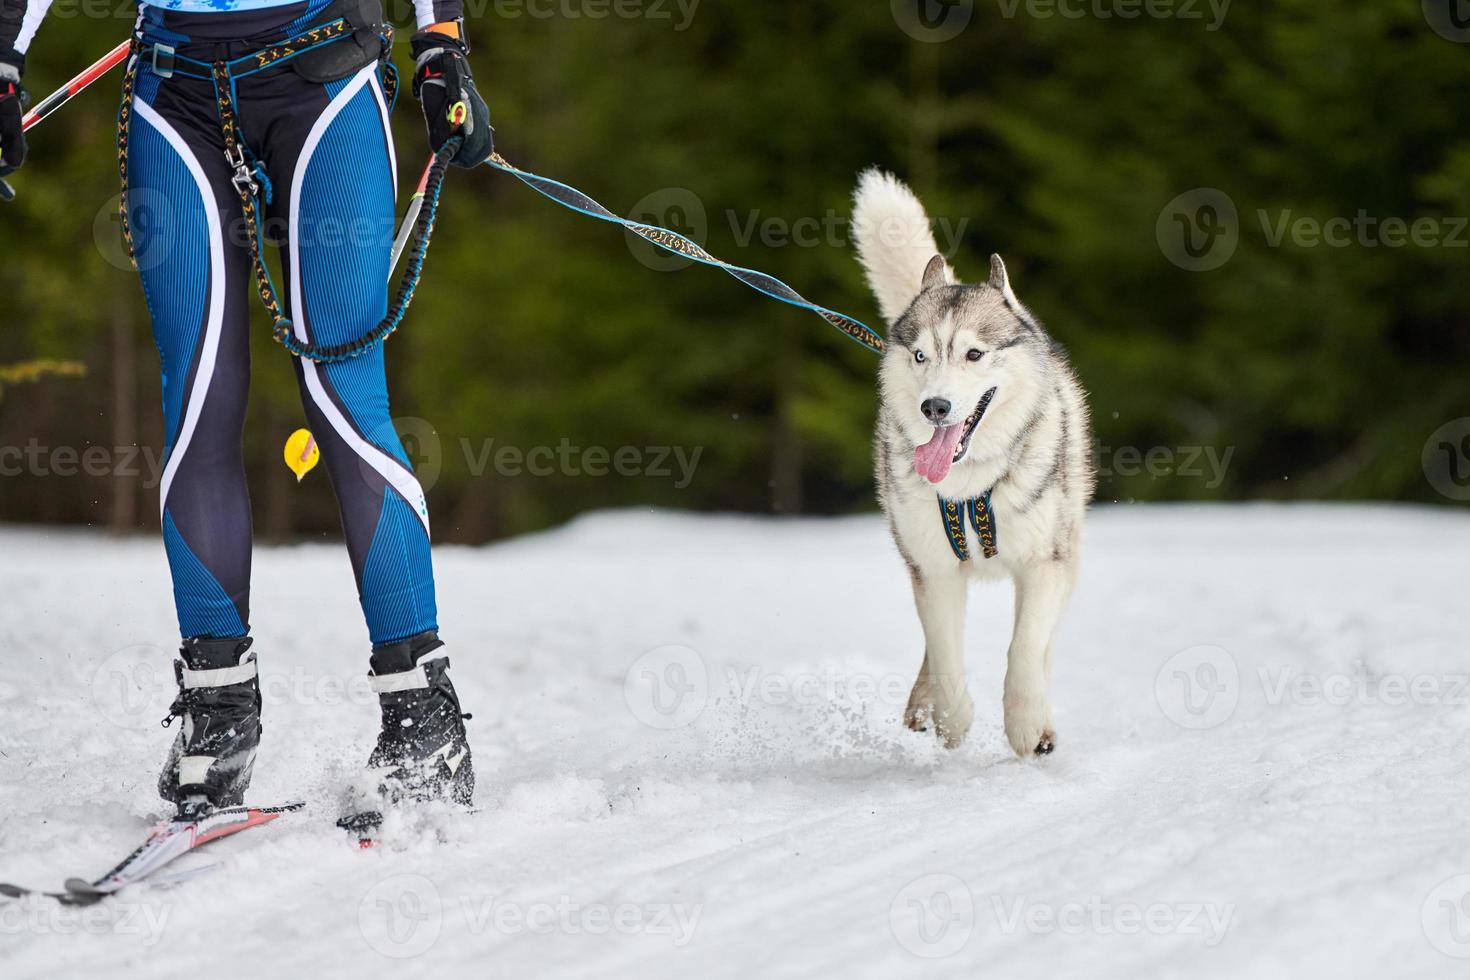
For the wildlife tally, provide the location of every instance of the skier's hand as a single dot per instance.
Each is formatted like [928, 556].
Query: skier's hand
[452, 105]
[12, 109]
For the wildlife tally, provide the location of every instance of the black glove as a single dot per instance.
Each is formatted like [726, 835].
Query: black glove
[12, 108]
[452, 105]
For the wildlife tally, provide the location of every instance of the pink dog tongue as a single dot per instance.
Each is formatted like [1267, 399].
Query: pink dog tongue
[934, 458]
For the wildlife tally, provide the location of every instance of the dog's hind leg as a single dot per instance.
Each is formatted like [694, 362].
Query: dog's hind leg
[939, 699]
[1041, 592]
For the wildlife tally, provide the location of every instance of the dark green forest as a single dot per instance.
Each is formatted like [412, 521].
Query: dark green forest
[1245, 221]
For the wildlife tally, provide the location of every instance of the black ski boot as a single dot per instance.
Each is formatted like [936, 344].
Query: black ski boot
[211, 760]
[422, 752]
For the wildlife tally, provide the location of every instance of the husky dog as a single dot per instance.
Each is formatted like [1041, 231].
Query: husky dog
[983, 461]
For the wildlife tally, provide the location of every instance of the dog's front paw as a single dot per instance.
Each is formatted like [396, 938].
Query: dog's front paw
[947, 713]
[1028, 725]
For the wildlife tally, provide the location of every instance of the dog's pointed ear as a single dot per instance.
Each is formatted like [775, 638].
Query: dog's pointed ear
[936, 273]
[1000, 279]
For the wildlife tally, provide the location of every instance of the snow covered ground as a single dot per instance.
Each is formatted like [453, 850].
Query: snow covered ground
[691, 764]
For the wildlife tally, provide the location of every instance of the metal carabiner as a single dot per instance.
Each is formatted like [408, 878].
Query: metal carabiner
[244, 178]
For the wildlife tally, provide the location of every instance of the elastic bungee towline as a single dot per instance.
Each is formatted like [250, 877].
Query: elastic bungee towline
[569, 197]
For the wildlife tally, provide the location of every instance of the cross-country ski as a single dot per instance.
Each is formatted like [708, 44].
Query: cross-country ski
[167, 842]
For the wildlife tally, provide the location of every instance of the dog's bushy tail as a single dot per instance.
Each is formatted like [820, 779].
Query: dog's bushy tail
[894, 240]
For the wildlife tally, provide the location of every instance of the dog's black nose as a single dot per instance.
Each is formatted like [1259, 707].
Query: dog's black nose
[935, 409]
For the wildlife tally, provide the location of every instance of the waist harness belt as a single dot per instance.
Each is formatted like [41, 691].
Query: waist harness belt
[250, 179]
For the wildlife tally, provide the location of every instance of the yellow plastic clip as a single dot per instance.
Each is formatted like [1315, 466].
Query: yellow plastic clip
[301, 453]
[458, 113]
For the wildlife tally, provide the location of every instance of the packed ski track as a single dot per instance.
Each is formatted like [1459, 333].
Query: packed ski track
[691, 763]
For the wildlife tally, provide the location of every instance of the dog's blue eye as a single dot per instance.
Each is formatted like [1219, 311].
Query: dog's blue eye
[974, 355]
[919, 356]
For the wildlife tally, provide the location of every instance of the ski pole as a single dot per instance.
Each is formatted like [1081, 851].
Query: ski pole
[415, 205]
[64, 95]
[74, 87]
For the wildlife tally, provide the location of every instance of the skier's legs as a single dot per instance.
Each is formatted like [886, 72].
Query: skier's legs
[180, 207]
[181, 204]
[339, 205]
[331, 157]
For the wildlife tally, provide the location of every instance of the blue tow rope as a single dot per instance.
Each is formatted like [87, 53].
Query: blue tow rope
[569, 197]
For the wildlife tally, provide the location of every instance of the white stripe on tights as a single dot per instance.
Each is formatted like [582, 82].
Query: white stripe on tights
[205, 372]
[387, 133]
